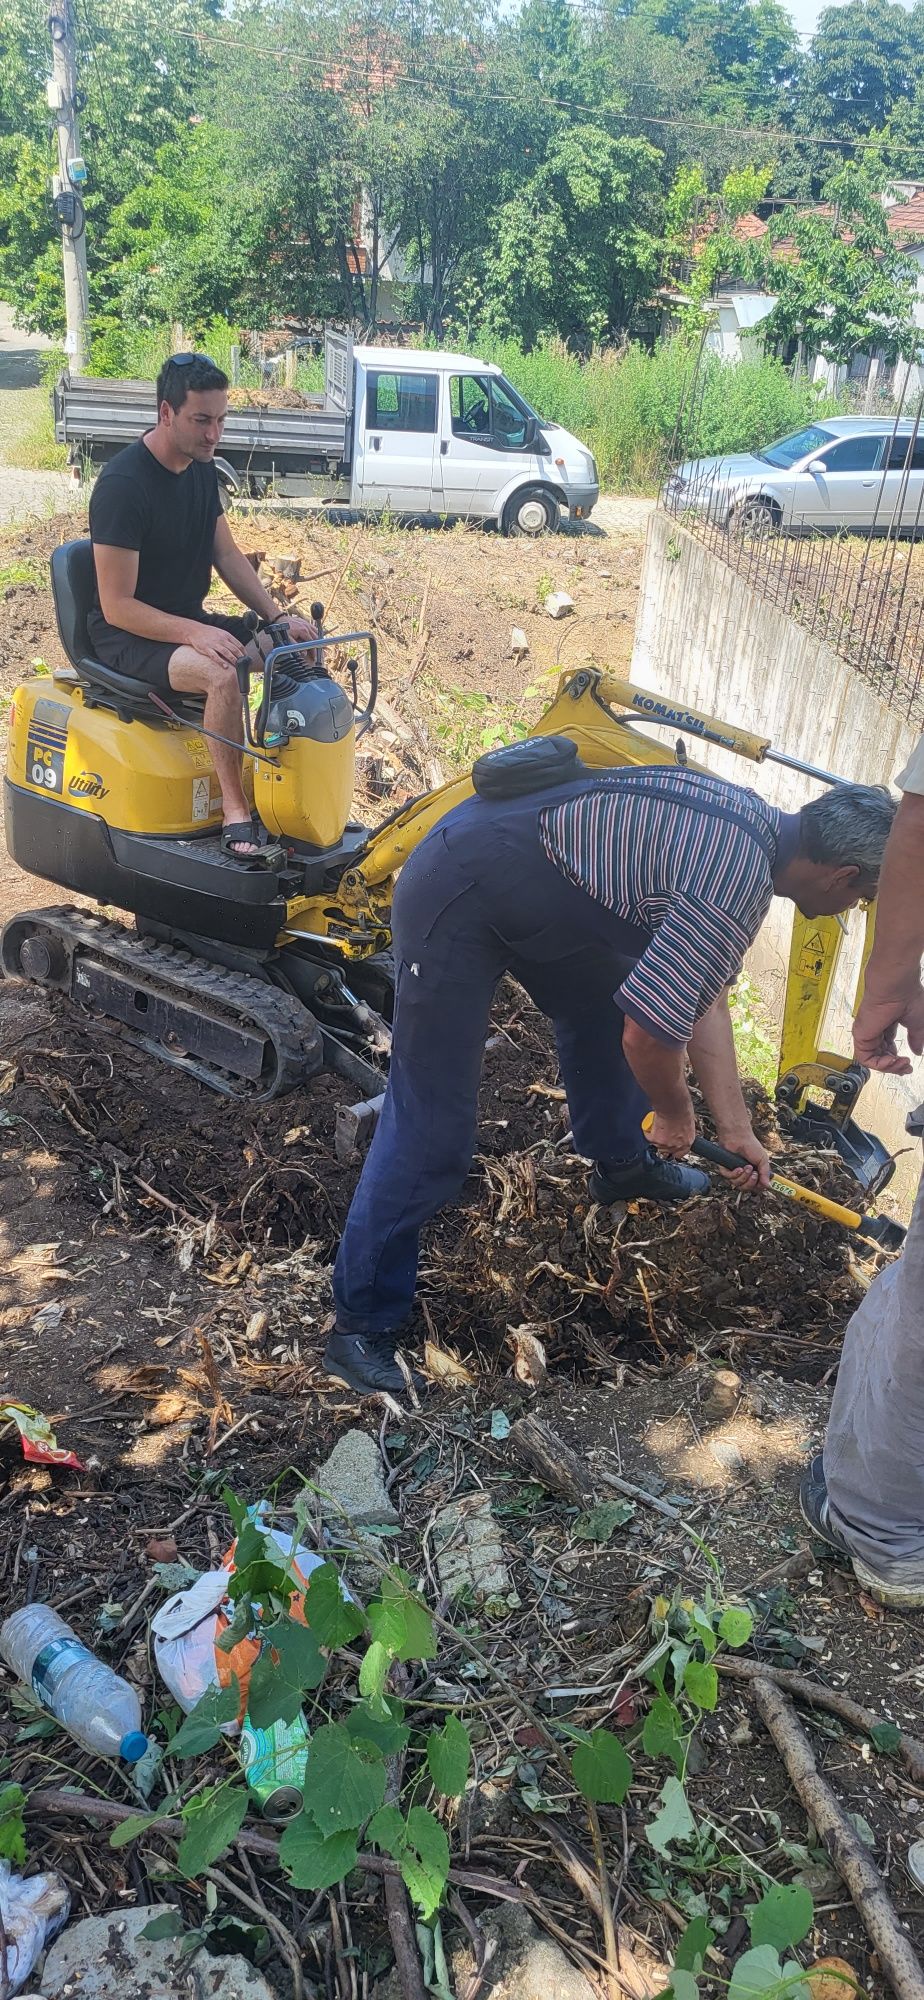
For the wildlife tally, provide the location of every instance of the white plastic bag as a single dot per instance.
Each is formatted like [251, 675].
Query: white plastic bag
[33, 1908]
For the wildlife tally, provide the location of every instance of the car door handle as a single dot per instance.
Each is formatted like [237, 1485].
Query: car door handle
[376, 443]
[444, 447]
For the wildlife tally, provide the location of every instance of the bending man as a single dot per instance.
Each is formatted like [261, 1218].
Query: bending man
[865, 1494]
[158, 531]
[624, 904]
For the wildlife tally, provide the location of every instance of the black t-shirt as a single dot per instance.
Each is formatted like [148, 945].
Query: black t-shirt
[169, 517]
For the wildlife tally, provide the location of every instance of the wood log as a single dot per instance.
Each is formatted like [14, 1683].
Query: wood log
[910, 1749]
[547, 1456]
[897, 1958]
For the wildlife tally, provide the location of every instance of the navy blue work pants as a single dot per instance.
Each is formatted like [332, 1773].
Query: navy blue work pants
[480, 898]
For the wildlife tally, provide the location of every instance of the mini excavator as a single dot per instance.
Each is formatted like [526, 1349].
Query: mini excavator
[253, 980]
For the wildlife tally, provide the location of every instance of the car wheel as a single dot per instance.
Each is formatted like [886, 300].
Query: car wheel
[532, 511]
[754, 517]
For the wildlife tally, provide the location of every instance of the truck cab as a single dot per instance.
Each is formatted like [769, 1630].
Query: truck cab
[442, 433]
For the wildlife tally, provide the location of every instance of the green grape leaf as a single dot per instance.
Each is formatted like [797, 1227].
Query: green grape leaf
[201, 1728]
[693, 1945]
[449, 1754]
[344, 1782]
[212, 1820]
[684, 1985]
[735, 1625]
[883, 1735]
[784, 1916]
[601, 1770]
[382, 1726]
[313, 1860]
[674, 1821]
[600, 1522]
[701, 1683]
[374, 1670]
[333, 1619]
[663, 1732]
[421, 1849]
[759, 1971]
[12, 1825]
[169, 1924]
[400, 1621]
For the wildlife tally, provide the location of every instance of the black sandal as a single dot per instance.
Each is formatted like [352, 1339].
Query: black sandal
[259, 857]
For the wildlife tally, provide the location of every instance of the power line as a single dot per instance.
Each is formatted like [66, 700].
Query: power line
[345, 69]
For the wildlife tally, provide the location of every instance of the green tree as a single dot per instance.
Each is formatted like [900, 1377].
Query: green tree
[841, 283]
[577, 247]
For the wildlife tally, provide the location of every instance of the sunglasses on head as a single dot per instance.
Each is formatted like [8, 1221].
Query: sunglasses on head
[183, 360]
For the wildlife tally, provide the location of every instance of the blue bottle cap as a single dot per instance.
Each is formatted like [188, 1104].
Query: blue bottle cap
[133, 1746]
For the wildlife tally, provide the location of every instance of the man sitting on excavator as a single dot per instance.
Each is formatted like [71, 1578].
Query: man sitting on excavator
[158, 531]
[624, 904]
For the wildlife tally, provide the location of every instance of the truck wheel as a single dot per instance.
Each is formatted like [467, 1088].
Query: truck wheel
[532, 511]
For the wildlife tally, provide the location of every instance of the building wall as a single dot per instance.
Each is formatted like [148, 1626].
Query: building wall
[704, 637]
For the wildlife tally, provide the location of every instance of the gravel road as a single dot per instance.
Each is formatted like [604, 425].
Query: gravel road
[24, 493]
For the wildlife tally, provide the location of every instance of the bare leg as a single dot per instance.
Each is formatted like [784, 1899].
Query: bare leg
[190, 672]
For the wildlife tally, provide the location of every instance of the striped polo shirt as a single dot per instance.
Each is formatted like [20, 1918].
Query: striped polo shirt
[686, 858]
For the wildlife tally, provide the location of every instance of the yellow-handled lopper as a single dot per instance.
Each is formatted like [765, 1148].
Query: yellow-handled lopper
[876, 1228]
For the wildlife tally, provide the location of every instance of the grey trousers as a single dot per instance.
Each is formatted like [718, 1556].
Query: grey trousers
[874, 1447]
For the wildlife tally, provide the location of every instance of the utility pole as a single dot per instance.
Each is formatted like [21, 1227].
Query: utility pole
[69, 179]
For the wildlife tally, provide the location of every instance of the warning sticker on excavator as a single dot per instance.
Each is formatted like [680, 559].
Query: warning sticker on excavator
[198, 754]
[812, 957]
[201, 800]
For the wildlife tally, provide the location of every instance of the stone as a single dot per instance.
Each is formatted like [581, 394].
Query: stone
[352, 1483]
[469, 1551]
[106, 1958]
[559, 604]
[522, 1963]
[519, 644]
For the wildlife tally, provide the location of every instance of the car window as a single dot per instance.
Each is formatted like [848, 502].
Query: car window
[854, 454]
[787, 450]
[401, 402]
[482, 406]
[899, 453]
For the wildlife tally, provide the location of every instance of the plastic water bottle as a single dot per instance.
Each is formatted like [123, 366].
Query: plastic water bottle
[93, 1703]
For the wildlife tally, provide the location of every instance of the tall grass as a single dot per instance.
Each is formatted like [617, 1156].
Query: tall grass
[630, 407]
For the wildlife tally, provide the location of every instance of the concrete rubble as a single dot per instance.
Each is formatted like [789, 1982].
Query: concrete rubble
[352, 1483]
[469, 1551]
[106, 1958]
[559, 604]
[523, 1964]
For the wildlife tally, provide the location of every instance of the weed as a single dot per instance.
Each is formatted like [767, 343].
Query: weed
[471, 723]
[544, 589]
[755, 1044]
[17, 573]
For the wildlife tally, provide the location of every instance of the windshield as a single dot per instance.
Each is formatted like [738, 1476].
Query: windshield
[519, 402]
[787, 450]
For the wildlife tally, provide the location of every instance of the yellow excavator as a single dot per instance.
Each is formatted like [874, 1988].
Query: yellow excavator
[253, 980]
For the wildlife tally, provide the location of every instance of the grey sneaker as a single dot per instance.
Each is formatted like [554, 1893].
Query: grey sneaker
[815, 1508]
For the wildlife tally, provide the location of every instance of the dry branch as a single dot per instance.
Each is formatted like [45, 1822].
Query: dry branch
[898, 1960]
[911, 1750]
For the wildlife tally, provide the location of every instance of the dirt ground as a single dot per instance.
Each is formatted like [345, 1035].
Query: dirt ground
[165, 1296]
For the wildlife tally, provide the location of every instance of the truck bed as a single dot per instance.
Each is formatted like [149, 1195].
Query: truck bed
[96, 416]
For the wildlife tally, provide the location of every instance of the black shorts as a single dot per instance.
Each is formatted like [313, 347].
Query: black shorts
[149, 659]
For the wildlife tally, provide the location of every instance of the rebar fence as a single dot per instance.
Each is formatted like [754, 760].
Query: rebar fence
[841, 552]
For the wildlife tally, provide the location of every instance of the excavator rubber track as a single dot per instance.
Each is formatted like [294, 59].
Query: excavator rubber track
[233, 1032]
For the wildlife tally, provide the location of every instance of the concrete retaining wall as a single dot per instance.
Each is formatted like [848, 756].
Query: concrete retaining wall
[705, 637]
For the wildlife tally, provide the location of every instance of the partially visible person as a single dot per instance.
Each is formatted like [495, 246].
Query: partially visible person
[158, 530]
[864, 1494]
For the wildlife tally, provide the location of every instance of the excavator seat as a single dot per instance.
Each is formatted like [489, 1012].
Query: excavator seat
[72, 587]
